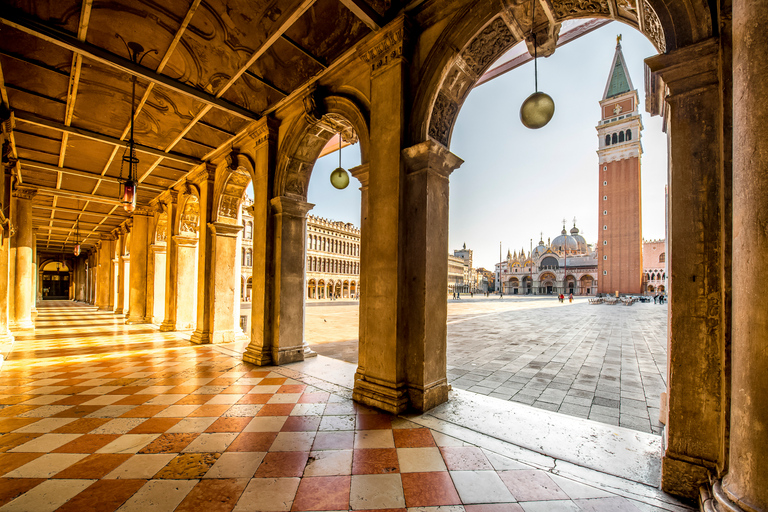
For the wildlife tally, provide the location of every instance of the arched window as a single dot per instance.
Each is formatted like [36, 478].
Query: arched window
[629, 134]
[621, 136]
[614, 139]
[607, 140]
[249, 257]
[248, 230]
[242, 259]
[663, 276]
[662, 257]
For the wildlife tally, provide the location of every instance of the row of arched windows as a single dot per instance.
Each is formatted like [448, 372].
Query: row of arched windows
[331, 266]
[618, 137]
[325, 244]
[654, 276]
[247, 258]
[248, 231]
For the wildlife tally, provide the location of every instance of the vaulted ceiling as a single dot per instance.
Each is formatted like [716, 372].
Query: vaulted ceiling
[211, 68]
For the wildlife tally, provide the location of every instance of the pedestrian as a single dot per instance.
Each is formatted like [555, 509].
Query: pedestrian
[454, 295]
[655, 297]
[471, 295]
[570, 297]
[458, 295]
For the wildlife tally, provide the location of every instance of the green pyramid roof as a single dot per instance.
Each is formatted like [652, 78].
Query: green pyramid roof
[618, 83]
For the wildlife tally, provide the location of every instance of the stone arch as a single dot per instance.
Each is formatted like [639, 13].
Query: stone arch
[189, 214]
[239, 174]
[309, 133]
[483, 32]
[161, 228]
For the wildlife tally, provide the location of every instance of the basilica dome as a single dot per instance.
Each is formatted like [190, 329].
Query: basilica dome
[539, 249]
[573, 243]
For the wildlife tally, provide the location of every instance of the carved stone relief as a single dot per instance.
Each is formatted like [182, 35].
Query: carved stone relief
[489, 44]
[652, 27]
[443, 116]
[580, 8]
[190, 217]
[627, 9]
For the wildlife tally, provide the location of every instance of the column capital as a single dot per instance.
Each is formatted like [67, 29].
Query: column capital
[430, 156]
[24, 192]
[387, 47]
[361, 173]
[143, 211]
[291, 207]
[185, 241]
[682, 71]
[263, 131]
[157, 248]
[223, 229]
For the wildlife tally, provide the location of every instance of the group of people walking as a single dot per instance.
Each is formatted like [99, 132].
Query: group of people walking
[561, 297]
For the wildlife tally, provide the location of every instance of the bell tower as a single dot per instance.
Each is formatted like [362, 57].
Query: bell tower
[620, 244]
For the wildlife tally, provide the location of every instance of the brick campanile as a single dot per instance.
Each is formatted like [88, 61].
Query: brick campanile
[620, 244]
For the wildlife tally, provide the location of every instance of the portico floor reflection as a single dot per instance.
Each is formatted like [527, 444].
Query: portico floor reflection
[137, 421]
[602, 362]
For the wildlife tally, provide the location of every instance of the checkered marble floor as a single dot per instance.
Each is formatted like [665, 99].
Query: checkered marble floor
[97, 415]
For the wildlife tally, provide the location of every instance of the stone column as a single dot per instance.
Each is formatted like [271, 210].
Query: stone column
[224, 253]
[5, 242]
[429, 166]
[159, 256]
[262, 275]
[120, 271]
[381, 381]
[186, 291]
[104, 273]
[746, 483]
[361, 173]
[24, 265]
[698, 292]
[205, 261]
[285, 343]
[171, 264]
[34, 276]
[137, 297]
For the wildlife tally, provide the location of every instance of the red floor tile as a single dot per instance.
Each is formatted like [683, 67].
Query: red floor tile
[82, 426]
[373, 421]
[464, 458]
[155, 426]
[323, 493]
[233, 424]
[169, 443]
[256, 398]
[413, 438]
[11, 461]
[292, 388]
[94, 466]
[135, 399]
[87, 443]
[334, 441]
[11, 488]
[272, 382]
[73, 400]
[375, 461]
[144, 411]
[209, 411]
[301, 424]
[275, 410]
[429, 489]
[213, 495]
[282, 464]
[237, 390]
[194, 400]
[103, 496]
[9, 441]
[494, 507]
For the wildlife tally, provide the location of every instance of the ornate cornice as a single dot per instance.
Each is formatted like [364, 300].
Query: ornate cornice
[283, 205]
[430, 156]
[23, 192]
[223, 229]
[388, 47]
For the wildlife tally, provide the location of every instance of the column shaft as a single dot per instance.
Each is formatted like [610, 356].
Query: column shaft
[25, 270]
[171, 266]
[186, 290]
[205, 260]
[119, 307]
[137, 298]
[747, 480]
[104, 273]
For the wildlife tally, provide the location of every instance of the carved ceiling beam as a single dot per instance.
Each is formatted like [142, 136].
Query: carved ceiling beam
[50, 191]
[64, 40]
[306, 52]
[8, 128]
[79, 212]
[86, 225]
[82, 174]
[265, 82]
[50, 229]
[365, 12]
[30, 118]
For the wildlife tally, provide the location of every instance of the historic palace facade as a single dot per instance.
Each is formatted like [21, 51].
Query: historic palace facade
[333, 259]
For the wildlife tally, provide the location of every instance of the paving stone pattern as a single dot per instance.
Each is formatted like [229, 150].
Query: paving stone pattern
[601, 362]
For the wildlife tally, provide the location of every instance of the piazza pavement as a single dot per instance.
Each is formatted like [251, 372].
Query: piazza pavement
[602, 362]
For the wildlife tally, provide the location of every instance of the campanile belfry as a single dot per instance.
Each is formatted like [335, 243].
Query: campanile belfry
[620, 247]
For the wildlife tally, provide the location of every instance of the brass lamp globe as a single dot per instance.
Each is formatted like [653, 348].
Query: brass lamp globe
[538, 108]
[339, 176]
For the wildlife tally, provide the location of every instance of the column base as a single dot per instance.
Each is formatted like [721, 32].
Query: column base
[103, 308]
[682, 478]
[137, 321]
[308, 352]
[167, 326]
[6, 338]
[257, 356]
[24, 325]
[424, 399]
[201, 337]
[385, 396]
[118, 311]
[725, 501]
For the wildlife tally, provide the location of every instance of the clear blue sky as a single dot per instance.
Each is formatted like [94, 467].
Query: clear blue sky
[517, 182]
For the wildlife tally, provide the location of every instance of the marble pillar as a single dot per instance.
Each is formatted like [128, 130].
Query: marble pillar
[696, 259]
[362, 174]
[34, 276]
[158, 255]
[137, 298]
[119, 306]
[104, 273]
[746, 484]
[225, 254]
[381, 379]
[428, 168]
[186, 289]
[171, 265]
[259, 349]
[205, 261]
[5, 241]
[25, 270]
[285, 341]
